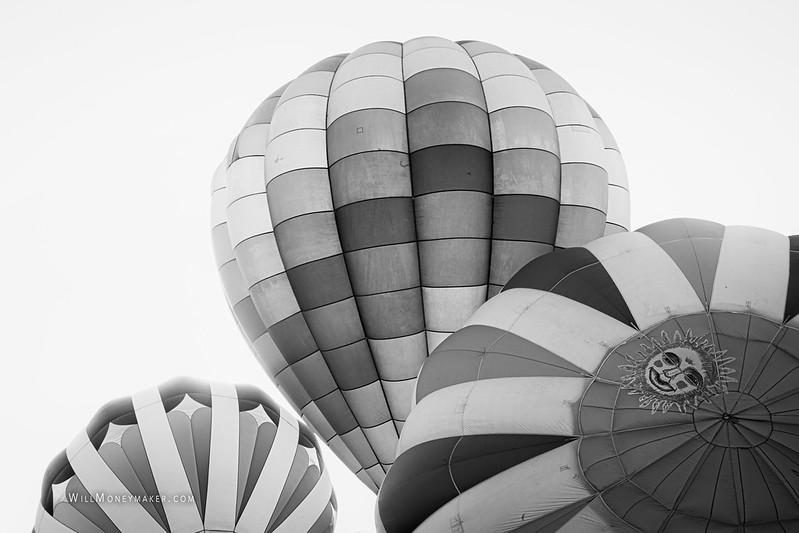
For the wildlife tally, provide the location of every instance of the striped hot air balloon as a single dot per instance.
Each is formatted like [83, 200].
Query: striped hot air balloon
[189, 457]
[369, 206]
[645, 382]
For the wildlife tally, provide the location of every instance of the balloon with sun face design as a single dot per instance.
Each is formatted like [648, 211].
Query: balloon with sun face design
[371, 205]
[645, 382]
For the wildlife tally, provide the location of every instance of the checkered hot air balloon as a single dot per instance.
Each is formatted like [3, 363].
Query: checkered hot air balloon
[646, 382]
[371, 205]
[189, 457]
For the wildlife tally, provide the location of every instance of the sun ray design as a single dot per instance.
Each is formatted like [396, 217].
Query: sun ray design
[680, 372]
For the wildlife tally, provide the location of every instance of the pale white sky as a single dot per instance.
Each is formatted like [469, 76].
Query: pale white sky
[113, 116]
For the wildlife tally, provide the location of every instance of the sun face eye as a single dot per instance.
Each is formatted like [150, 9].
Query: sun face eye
[671, 358]
[681, 384]
[693, 377]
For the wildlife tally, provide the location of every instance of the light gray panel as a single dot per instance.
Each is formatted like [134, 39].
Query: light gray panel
[490, 64]
[372, 92]
[368, 64]
[370, 175]
[386, 268]
[552, 82]
[252, 140]
[384, 440]
[356, 441]
[579, 144]
[295, 150]
[220, 240]
[401, 358]
[523, 127]
[335, 325]
[582, 184]
[311, 83]
[570, 109]
[448, 123]
[377, 474]
[307, 238]
[514, 91]
[578, 225]
[233, 283]
[453, 214]
[454, 262]
[368, 404]
[527, 171]
[268, 355]
[247, 218]
[446, 309]
[380, 47]
[274, 299]
[302, 112]
[298, 192]
[429, 41]
[429, 58]
[399, 395]
[258, 258]
[476, 48]
[364, 131]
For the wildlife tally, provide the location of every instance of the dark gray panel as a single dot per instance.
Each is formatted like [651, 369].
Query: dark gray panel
[314, 375]
[320, 282]
[392, 314]
[495, 353]
[442, 85]
[453, 214]
[523, 127]
[335, 325]
[352, 366]
[451, 168]
[364, 131]
[525, 218]
[370, 175]
[383, 269]
[293, 338]
[377, 222]
[448, 123]
[454, 262]
[338, 413]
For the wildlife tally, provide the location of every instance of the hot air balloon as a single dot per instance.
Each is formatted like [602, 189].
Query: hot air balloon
[369, 206]
[646, 382]
[189, 457]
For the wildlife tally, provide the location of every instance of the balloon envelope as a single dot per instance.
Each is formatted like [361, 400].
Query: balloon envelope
[369, 206]
[647, 381]
[189, 457]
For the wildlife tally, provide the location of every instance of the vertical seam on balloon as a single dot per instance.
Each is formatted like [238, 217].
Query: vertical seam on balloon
[354, 300]
[765, 482]
[493, 173]
[694, 473]
[413, 206]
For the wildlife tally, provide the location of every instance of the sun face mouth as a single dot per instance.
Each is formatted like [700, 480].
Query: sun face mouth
[660, 383]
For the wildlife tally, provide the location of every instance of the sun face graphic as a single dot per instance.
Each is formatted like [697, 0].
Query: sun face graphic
[680, 372]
